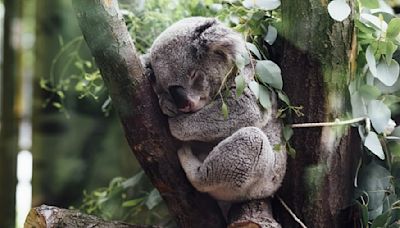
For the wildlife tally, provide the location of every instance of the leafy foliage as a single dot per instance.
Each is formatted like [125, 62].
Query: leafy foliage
[133, 200]
[372, 92]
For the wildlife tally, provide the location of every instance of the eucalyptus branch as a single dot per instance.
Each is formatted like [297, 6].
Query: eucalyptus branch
[337, 122]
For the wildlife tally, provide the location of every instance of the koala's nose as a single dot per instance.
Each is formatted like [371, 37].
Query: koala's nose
[179, 95]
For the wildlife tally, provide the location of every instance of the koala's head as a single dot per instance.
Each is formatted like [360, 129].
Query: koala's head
[190, 60]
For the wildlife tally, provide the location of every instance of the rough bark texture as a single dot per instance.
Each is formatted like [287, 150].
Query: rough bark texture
[316, 67]
[48, 216]
[145, 127]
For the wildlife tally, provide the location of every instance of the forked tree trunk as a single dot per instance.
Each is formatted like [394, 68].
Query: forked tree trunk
[316, 69]
[316, 64]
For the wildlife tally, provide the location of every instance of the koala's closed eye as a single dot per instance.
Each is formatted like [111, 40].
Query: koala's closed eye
[198, 80]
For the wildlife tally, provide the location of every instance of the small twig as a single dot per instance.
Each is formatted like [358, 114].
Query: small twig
[329, 124]
[291, 213]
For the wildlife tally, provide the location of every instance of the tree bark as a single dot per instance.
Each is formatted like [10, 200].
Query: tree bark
[316, 66]
[48, 216]
[145, 127]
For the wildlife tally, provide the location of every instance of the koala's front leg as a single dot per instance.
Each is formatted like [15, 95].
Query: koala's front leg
[240, 167]
[209, 124]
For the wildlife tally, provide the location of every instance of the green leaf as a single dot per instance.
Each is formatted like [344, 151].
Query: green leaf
[240, 85]
[358, 106]
[224, 110]
[375, 181]
[133, 181]
[253, 49]
[265, 99]
[290, 150]
[388, 73]
[382, 220]
[239, 61]
[132, 203]
[374, 145]
[271, 35]
[287, 133]
[370, 56]
[372, 4]
[265, 5]
[369, 92]
[393, 29]
[255, 88]
[57, 105]
[283, 97]
[270, 73]
[339, 10]
[61, 94]
[364, 213]
[379, 114]
[153, 199]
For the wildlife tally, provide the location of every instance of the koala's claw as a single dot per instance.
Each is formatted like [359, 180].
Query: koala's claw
[167, 107]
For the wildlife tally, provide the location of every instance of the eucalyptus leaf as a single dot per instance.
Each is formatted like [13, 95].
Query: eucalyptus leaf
[393, 29]
[379, 114]
[372, 4]
[264, 4]
[396, 132]
[369, 55]
[287, 133]
[373, 21]
[388, 73]
[255, 88]
[253, 49]
[271, 35]
[374, 145]
[270, 73]
[375, 181]
[339, 10]
[283, 97]
[153, 199]
[240, 61]
[240, 85]
[132, 203]
[369, 92]
[358, 105]
[265, 99]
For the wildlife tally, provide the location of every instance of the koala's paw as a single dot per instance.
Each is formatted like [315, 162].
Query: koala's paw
[185, 154]
[168, 107]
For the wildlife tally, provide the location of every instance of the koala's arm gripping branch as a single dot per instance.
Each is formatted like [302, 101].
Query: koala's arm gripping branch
[145, 127]
[209, 124]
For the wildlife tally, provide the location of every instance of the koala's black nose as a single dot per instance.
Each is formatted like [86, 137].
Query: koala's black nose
[179, 96]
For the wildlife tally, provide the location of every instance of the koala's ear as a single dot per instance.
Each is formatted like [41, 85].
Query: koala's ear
[213, 37]
[148, 70]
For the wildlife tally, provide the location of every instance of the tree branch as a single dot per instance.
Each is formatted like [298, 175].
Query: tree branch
[145, 127]
[48, 216]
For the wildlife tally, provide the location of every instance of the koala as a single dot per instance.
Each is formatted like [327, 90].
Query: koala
[188, 64]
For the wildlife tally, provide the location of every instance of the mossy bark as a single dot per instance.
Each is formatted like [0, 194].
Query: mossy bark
[316, 66]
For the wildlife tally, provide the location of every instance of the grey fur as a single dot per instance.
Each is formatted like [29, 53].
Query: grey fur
[243, 164]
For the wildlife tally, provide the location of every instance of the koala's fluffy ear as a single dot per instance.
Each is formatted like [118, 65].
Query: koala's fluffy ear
[213, 36]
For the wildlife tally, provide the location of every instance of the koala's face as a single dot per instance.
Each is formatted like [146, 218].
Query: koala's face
[189, 61]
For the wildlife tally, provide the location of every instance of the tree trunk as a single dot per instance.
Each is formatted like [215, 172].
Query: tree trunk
[10, 111]
[145, 127]
[316, 69]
